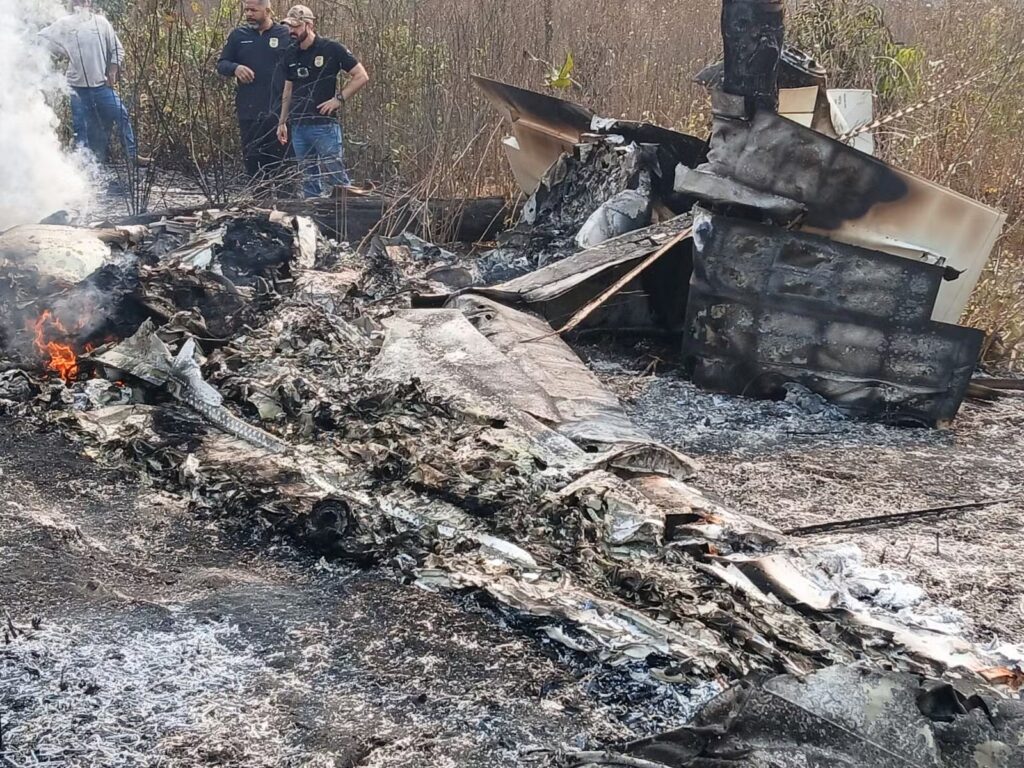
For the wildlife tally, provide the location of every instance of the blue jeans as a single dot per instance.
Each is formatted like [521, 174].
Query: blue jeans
[318, 149]
[94, 111]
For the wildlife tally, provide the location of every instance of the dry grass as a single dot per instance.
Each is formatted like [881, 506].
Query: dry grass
[422, 122]
[970, 140]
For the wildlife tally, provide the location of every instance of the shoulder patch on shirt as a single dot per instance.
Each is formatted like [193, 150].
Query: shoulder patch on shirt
[274, 42]
[318, 61]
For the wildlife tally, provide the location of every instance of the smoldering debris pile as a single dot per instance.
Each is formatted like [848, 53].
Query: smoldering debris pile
[464, 446]
[392, 409]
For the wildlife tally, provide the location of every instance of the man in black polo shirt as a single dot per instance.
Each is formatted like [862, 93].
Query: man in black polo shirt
[311, 100]
[254, 56]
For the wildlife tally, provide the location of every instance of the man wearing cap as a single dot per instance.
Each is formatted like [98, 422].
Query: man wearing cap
[95, 57]
[254, 56]
[311, 100]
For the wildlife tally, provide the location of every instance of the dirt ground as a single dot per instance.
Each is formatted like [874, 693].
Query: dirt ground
[793, 467]
[142, 636]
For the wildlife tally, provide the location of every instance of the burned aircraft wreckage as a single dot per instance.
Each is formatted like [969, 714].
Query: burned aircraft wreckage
[287, 385]
[805, 258]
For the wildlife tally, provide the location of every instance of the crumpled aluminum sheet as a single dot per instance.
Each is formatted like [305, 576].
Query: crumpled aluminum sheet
[846, 715]
[470, 449]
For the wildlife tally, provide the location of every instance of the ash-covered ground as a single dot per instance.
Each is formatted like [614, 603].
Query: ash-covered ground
[144, 631]
[801, 462]
[141, 635]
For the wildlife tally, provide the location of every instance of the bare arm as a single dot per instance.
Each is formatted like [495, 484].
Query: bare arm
[286, 103]
[358, 78]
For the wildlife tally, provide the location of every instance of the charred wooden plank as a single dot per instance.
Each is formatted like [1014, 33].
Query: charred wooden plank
[352, 217]
[899, 518]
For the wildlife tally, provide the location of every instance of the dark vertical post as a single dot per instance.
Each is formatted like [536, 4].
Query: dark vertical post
[753, 33]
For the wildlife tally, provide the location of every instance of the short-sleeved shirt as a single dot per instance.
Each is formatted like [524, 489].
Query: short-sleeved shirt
[90, 45]
[313, 73]
[264, 53]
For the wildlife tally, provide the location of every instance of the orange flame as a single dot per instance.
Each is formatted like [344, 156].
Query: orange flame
[61, 358]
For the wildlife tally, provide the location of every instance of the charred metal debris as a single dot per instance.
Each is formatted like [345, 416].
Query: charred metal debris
[806, 259]
[287, 385]
[283, 384]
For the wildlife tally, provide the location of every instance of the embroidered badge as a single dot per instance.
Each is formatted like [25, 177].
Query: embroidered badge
[274, 42]
[319, 61]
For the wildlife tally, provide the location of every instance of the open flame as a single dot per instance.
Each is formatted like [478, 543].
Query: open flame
[60, 357]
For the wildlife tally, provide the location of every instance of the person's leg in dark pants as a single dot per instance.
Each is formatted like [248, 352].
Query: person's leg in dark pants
[96, 135]
[249, 131]
[271, 153]
[80, 118]
[262, 153]
[114, 114]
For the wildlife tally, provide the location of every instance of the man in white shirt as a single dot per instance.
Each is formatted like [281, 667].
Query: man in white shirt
[95, 57]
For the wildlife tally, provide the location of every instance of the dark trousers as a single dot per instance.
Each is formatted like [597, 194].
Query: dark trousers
[263, 154]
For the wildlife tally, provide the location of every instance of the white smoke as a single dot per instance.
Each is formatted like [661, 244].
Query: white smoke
[37, 177]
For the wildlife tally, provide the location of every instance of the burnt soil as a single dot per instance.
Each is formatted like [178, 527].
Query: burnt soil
[146, 635]
[143, 636]
[793, 465]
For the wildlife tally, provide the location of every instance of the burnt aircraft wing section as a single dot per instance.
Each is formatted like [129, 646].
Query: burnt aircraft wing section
[543, 128]
[656, 299]
[768, 306]
[854, 198]
[556, 116]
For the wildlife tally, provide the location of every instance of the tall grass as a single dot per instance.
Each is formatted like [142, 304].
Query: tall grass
[971, 140]
[422, 124]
